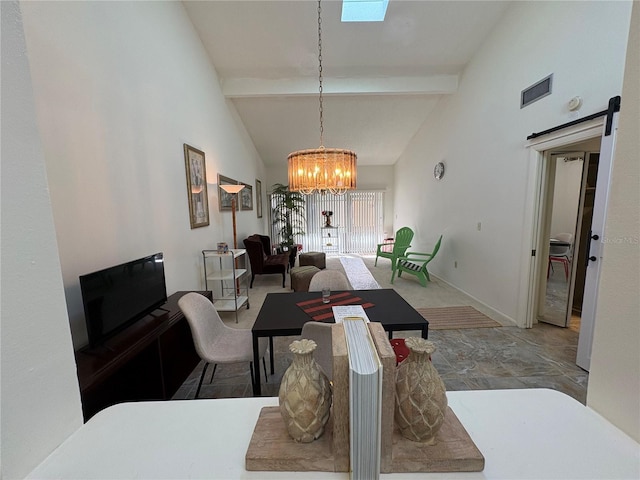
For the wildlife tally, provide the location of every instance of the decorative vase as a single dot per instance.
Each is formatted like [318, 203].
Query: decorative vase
[305, 394]
[421, 397]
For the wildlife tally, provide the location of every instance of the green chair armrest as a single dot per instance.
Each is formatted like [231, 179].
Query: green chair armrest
[408, 255]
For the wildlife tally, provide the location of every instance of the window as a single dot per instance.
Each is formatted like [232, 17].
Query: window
[364, 10]
[358, 216]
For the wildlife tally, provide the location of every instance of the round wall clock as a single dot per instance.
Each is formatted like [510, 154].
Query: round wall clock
[438, 171]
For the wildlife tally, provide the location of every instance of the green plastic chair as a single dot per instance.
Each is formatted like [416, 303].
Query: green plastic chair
[398, 247]
[415, 263]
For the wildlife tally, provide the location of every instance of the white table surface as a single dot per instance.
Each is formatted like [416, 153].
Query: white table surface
[523, 434]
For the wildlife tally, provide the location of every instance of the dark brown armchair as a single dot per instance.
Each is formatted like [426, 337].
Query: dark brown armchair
[261, 258]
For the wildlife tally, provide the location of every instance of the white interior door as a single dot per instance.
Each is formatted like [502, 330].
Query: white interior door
[596, 241]
[565, 189]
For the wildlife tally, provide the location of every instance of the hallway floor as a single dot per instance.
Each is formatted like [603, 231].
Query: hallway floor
[467, 359]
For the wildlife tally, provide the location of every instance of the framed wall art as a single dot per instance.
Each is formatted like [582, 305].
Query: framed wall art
[224, 198]
[196, 186]
[246, 197]
[258, 198]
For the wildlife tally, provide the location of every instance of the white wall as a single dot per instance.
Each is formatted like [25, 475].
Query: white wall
[119, 87]
[480, 134]
[40, 396]
[614, 378]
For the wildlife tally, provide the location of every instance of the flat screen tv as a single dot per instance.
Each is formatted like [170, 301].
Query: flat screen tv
[116, 297]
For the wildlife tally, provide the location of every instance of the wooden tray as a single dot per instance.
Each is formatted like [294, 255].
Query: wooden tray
[271, 448]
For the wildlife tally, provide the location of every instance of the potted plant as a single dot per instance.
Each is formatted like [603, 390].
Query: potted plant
[289, 217]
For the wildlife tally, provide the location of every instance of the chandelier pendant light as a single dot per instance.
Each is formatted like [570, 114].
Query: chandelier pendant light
[322, 169]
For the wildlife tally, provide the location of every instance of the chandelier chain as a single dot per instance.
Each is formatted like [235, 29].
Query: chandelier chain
[322, 169]
[320, 70]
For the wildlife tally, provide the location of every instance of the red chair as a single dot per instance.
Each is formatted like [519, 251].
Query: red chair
[561, 253]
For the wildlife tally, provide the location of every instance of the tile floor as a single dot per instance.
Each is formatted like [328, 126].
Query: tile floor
[467, 359]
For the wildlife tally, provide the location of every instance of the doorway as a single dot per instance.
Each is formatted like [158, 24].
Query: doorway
[602, 127]
[567, 204]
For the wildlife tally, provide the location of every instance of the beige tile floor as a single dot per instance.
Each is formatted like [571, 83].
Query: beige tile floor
[467, 359]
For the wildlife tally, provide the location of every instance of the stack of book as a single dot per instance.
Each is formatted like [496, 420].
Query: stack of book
[365, 394]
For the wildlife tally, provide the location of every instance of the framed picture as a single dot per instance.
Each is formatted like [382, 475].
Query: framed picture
[224, 198]
[259, 198]
[196, 186]
[246, 197]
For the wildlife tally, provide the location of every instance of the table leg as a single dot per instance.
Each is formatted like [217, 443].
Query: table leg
[256, 364]
[271, 354]
[425, 332]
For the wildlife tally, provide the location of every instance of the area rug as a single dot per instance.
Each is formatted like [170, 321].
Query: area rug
[452, 318]
[358, 274]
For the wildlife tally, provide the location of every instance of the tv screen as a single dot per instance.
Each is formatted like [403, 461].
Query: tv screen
[117, 296]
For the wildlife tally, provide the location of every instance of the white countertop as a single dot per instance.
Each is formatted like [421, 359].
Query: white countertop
[523, 434]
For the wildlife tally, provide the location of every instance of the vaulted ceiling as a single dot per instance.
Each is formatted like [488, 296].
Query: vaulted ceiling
[380, 80]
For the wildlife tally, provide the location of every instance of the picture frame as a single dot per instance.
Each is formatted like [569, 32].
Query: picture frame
[224, 198]
[258, 198]
[246, 197]
[196, 172]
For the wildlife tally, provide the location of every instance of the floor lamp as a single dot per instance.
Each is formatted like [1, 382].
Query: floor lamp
[233, 191]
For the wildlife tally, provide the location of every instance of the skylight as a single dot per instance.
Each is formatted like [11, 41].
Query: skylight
[364, 10]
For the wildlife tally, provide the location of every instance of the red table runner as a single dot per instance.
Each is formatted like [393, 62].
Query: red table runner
[319, 311]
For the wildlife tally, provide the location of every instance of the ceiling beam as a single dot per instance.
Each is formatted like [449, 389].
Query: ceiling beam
[260, 87]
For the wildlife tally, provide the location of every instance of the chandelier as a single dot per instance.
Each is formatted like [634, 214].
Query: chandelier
[322, 169]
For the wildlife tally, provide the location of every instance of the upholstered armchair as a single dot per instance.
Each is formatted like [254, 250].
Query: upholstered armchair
[262, 261]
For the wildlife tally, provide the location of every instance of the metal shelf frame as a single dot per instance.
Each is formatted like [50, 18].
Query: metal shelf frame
[230, 270]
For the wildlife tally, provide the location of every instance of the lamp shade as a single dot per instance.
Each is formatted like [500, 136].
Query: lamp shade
[232, 188]
[322, 169]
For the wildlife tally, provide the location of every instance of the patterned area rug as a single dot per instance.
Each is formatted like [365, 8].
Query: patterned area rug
[358, 274]
[452, 318]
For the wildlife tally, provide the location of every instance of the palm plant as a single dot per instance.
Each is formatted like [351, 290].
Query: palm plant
[288, 215]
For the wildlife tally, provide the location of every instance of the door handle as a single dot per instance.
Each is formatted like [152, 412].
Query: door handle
[591, 258]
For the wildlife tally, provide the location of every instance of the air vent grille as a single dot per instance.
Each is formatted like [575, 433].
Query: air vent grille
[536, 91]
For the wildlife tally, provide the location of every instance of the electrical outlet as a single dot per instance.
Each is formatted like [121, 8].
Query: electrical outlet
[479, 226]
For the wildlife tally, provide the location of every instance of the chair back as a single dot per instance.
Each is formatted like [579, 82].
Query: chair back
[255, 250]
[560, 251]
[402, 241]
[436, 248]
[266, 243]
[320, 333]
[334, 279]
[204, 321]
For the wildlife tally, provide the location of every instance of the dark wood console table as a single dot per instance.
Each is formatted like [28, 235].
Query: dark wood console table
[147, 361]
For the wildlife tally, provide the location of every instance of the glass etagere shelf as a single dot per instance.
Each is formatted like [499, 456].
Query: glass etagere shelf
[226, 275]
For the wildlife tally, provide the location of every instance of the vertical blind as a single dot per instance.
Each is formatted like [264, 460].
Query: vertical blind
[357, 215]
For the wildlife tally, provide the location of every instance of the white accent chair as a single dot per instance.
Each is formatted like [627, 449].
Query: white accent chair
[215, 342]
[320, 333]
[334, 279]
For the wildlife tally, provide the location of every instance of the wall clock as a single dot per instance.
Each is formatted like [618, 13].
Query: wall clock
[438, 171]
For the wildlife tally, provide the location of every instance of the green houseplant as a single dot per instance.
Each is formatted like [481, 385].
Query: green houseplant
[288, 217]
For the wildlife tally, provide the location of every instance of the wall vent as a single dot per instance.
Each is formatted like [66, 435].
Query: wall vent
[536, 91]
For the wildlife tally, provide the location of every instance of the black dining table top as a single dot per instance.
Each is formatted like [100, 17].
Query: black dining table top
[281, 315]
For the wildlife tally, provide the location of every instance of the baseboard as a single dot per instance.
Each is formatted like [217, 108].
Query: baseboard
[498, 316]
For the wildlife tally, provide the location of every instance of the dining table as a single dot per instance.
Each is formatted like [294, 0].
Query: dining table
[284, 314]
